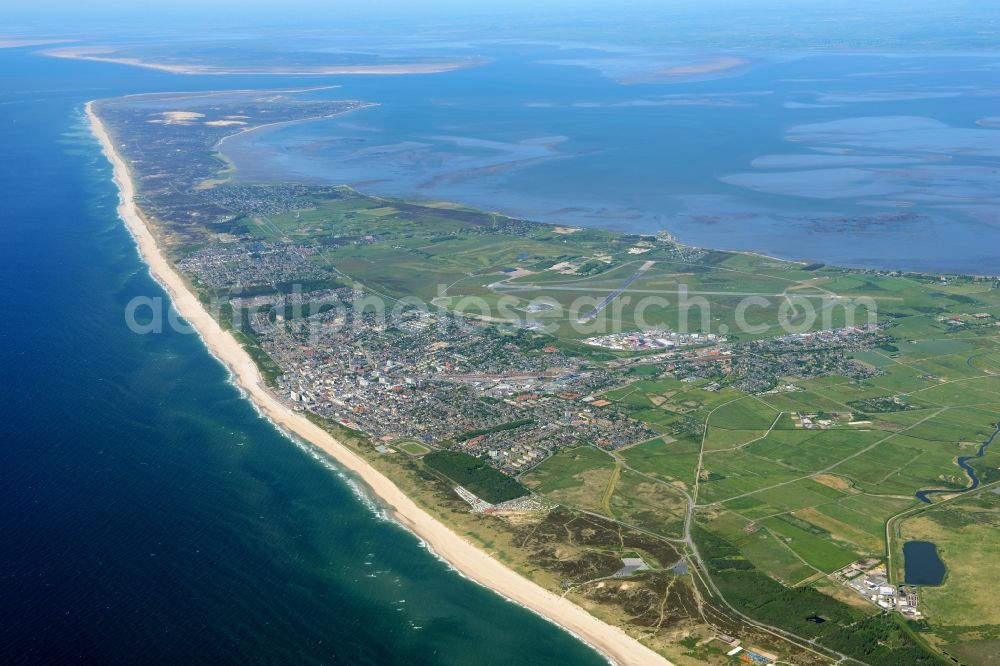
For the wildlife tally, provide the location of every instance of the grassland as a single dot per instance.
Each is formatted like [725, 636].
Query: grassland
[574, 477]
[964, 623]
[446, 254]
[967, 534]
[796, 503]
[759, 508]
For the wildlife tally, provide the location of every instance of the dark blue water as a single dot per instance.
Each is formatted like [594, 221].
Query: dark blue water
[963, 462]
[148, 515]
[922, 564]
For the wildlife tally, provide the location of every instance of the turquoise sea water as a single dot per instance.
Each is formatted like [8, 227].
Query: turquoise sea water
[148, 514]
[874, 160]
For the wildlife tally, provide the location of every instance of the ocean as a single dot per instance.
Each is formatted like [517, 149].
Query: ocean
[149, 515]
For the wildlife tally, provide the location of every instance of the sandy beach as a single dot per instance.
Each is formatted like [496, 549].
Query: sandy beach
[463, 555]
[102, 54]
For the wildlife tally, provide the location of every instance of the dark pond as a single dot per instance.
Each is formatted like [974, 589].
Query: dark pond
[922, 564]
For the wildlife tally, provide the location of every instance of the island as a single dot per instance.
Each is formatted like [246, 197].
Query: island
[681, 455]
[216, 59]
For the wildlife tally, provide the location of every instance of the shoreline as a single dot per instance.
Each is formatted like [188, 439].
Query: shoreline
[306, 70]
[283, 123]
[470, 561]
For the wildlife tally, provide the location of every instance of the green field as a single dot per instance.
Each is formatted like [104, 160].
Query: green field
[575, 477]
[413, 447]
[778, 458]
[964, 618]
[798, 503]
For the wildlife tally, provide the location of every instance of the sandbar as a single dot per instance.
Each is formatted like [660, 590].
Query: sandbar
[107, 54]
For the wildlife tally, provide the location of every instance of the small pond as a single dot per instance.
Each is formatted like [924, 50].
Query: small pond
[922, 564]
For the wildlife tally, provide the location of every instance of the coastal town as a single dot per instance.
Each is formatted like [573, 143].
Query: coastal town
[701, 484]
[427, 375]
[436, 378]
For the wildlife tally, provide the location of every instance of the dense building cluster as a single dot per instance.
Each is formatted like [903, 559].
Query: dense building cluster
[264, 200]
[243, 264]
[762, 363]
[437, 378]
[758, 366]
